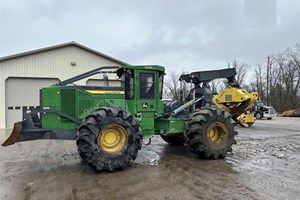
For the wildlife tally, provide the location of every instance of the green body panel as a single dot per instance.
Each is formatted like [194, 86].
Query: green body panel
[74, 102]
[171, 125]
[78, 103]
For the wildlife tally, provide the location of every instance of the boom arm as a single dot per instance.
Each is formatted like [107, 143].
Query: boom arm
[232, 99]
[207, 76]
[200, 79]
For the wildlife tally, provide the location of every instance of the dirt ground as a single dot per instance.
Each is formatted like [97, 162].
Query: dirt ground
[265, 164]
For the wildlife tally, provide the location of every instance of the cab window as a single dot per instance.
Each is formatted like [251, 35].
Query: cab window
[147, 86]
[161, 82]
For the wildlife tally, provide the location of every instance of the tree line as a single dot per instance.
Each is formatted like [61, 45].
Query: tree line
[276, 80]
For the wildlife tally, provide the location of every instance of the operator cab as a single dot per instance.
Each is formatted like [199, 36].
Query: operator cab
[143, 93]
[141, 83]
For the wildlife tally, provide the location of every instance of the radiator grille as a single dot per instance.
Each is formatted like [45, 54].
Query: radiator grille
[68, 101]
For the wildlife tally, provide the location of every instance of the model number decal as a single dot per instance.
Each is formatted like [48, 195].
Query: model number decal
[148, 67]
[104, 92]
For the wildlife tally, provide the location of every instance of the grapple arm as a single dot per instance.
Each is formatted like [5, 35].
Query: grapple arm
[235, 100]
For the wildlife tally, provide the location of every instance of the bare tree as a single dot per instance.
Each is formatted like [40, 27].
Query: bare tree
[172, 86]
[241, 70]
[259, 81]
[270, 61]
[217, 85]
[277, 80]
[294, 53]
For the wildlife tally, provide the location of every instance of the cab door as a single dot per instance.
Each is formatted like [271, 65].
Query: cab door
[146, 101]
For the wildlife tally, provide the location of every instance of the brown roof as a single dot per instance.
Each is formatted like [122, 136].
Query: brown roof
[60, 46]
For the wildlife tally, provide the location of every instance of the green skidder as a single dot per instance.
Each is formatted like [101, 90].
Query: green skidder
[110, 122]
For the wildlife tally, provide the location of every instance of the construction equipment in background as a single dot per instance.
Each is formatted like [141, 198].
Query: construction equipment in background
[260, 110]
[237, 102]
[109, 123]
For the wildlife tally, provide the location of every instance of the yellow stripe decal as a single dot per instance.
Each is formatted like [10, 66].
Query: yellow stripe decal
[104, 92]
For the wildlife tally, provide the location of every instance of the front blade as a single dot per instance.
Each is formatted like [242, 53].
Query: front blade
[13, 138]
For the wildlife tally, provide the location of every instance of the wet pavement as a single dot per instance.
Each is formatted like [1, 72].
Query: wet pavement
[265, 164]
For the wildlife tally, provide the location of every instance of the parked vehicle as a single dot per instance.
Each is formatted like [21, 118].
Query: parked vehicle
[260, 110]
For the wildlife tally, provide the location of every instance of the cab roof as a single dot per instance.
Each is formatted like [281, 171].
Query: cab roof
[144, 67]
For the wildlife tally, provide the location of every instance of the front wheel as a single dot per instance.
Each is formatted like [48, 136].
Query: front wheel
[109, 138]
[210, 133]
[258, 115]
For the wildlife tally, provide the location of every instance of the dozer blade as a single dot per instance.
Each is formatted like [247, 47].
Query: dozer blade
[13, 138]
[30, 129]
[21, 133]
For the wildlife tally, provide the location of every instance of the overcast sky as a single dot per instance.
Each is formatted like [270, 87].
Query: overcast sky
[189, 35]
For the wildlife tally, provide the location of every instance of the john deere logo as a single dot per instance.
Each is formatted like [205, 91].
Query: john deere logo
[144, 105]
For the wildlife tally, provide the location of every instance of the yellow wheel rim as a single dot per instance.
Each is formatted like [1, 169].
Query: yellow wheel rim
[113, 139]
[217, 134]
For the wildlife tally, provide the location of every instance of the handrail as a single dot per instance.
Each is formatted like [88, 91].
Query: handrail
[85, 75]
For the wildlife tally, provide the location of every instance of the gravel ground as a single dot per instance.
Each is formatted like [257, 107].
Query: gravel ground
[265, 164]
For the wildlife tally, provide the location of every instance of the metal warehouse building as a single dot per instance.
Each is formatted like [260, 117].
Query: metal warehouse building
[22, 75]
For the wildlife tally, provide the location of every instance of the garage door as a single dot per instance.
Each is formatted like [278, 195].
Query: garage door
[21, 93]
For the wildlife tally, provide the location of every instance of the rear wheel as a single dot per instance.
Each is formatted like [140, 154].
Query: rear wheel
[109, 138]
[174, 140]
[210, 133]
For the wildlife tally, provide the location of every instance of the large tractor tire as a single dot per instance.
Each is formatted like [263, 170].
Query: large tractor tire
[109, 139]
[174, 140]
[210, 133]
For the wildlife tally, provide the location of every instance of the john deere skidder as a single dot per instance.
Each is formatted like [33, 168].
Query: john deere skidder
[109, 123]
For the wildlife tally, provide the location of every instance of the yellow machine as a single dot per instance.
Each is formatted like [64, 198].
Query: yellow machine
[237, 102]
